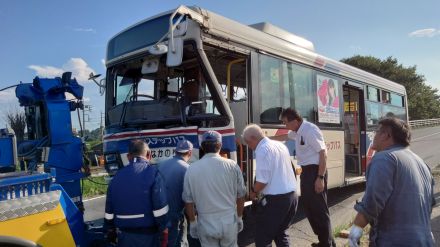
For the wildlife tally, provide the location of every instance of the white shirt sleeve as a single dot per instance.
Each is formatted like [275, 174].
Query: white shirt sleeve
[263, 172]
[291, 135]
[316, 140]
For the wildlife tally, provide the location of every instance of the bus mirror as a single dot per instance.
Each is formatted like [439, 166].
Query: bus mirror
[174, 56]
[150, 65]
[101, 83]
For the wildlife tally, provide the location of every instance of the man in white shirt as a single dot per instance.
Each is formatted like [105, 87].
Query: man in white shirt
[311, 154]
[275, 180]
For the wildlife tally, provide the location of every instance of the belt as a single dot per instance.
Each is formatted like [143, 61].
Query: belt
[140, 230]
[279, 195]
[311, 167]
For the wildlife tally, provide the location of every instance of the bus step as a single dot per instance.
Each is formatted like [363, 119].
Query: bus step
[354, 180]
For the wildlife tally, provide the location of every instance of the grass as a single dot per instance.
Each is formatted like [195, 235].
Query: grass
[337, 230]
[94, 186]
[365, 236]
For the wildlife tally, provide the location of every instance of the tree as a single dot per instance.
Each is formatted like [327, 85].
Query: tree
[17, 121]
[423, 100]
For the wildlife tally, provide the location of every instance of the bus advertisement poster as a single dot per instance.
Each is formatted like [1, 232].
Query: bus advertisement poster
[328, 99]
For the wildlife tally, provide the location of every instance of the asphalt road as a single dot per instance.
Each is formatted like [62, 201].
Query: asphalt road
[425, 143]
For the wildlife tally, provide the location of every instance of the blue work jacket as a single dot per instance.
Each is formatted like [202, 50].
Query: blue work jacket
[136, 197]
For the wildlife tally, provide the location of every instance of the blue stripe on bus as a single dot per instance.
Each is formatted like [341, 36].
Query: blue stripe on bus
[228, 143]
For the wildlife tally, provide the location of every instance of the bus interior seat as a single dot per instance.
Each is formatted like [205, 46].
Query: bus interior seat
[271, 115]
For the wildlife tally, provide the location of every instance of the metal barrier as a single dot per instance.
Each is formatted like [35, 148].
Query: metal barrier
[424, 122]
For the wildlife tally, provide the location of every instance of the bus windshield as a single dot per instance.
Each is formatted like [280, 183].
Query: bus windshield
[166, 97]
[130, 40]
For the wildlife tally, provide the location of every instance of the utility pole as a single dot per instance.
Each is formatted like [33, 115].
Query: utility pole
[101, 126]
[89, 109]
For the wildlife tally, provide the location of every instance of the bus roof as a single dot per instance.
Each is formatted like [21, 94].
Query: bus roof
[277, 41]
[274, 40]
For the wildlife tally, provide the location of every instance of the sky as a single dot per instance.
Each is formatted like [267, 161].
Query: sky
[47, 37]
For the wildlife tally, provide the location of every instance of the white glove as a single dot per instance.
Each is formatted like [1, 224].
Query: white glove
[355, 236]
[193, 229]
[240, 224]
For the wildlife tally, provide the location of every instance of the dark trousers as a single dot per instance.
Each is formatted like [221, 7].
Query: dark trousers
[274, 218]
[315, 205]
[134, 239]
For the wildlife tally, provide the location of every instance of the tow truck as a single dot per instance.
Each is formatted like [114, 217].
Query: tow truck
[41, 205]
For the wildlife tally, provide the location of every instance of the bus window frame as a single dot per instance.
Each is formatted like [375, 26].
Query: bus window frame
[110, 87]
[255, 98]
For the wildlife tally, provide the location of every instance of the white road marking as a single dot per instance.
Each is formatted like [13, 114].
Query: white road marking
[425, 136]
[91, 199]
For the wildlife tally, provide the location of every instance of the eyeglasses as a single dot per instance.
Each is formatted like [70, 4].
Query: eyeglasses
[286, 122]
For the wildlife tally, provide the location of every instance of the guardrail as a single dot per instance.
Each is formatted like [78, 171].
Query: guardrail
[424, 122]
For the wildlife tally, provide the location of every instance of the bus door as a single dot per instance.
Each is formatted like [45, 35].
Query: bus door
[353, 119]
[237, 97]
[231, 69]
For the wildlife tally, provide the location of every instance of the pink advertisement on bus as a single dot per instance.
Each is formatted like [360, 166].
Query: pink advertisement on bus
[328, 99]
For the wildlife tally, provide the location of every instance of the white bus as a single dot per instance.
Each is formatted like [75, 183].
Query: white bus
[189, 70]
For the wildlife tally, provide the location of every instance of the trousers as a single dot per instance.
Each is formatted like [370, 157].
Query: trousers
[274, 216]
[218, 230]
[315, 205]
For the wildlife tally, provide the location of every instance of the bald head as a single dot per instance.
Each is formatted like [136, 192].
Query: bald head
[252, 135]
[253, 131]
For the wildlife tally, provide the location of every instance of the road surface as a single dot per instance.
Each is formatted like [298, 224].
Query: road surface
[425, 142]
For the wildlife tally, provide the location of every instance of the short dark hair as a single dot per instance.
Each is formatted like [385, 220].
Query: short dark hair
[400, 131]
[211, 146]
[291, 114]
[137, 147]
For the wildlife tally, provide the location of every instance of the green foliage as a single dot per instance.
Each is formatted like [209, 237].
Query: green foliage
[423, 100]
[17, 121]
[94, 135]
[92, 143]
[93, 186]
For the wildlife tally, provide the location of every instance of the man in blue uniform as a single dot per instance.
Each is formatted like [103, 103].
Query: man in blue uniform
[136, 203]
[173, 171]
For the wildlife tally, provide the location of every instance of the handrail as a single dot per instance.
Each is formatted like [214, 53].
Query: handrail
[424, 122]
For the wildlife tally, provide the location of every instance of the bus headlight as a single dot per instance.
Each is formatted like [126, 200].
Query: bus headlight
[112, 168]
[110, 158]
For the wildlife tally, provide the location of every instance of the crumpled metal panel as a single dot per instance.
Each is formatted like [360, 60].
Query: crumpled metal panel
[24, 206]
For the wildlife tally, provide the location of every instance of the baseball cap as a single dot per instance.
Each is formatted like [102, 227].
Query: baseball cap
[212, 136]
[184, 146]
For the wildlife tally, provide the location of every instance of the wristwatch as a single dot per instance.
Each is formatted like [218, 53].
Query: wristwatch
[320, 177]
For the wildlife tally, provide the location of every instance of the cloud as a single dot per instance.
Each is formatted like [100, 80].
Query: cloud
[70, 96]
[80, 29]
[46, 71]
[8, 96]
[79, 68]
[427, 32]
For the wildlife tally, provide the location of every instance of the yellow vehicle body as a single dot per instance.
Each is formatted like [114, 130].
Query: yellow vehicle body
[43, 222]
